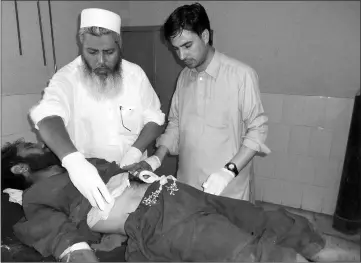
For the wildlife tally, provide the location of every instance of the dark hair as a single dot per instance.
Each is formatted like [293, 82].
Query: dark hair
[189, 17]
[9, 158]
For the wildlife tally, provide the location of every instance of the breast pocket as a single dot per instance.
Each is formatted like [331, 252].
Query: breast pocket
[131, 119]
[217, 114]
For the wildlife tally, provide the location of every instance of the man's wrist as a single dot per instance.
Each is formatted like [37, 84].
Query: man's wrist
[232, 167]
[68, 159]
[135, 150]
[154, 162]
[161, 152]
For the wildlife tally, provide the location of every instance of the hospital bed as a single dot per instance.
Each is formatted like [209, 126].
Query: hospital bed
[12, 250]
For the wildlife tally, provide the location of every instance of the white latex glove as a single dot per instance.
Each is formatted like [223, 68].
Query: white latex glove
[216, 182]
[133, 155]
[86, 179]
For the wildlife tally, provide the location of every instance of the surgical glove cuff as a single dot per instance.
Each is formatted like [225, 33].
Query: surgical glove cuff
[228, 172]
[154, 162]
[133, 155]
[72, 159]
[134, 152]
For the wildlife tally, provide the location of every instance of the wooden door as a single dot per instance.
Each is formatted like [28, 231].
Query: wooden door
[145, 46]
[166, 74]
[138, 47]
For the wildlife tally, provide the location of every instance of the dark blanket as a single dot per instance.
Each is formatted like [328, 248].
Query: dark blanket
[178, 223]
[181, 223]
[49, 222]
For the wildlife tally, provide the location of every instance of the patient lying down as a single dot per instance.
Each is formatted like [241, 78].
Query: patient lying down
[164, 220]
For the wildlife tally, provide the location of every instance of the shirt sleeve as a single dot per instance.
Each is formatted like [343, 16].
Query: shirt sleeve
[170, 138]
[253, 115]
[150, 102]
[56, 101]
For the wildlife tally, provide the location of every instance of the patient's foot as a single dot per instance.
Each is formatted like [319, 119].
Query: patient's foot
[338, 250]
[109, 242]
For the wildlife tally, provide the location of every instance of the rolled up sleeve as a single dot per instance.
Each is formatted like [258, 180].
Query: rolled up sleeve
[151, 103]
[170, 138]
[55, 102]
[254, 118]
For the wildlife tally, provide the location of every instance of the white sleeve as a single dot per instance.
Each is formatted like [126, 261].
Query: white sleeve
[150, 102]
[56, 101]
[253, 114]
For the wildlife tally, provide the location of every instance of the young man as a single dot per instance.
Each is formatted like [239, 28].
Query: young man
[165, 220]
[98, 106]
[216, 122]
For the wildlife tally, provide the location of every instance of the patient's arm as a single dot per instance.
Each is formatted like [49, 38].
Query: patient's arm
[47, 226]
[49, 231]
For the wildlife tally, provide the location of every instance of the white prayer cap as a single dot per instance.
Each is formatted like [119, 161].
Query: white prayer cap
[100, 18]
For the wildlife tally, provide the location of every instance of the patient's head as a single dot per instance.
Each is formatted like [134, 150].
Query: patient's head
[23, 163]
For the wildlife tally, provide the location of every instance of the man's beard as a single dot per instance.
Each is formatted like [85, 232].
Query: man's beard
[102, 86]
[38, 162]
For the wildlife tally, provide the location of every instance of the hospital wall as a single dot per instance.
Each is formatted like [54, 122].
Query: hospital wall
[307, 57]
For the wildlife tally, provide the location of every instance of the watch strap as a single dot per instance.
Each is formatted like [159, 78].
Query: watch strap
[232, 167]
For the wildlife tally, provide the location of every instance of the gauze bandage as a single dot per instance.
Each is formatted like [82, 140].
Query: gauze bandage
[116, 186]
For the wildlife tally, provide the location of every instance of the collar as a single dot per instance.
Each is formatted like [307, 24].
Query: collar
[213, 67]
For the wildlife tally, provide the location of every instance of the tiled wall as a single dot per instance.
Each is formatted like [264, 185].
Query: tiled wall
[308, 137]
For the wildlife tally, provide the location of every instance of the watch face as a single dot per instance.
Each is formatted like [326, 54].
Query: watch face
[231, 166]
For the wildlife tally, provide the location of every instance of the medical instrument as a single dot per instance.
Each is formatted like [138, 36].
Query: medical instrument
[121, 117]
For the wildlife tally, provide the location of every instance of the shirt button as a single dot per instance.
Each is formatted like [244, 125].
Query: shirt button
[200, 78]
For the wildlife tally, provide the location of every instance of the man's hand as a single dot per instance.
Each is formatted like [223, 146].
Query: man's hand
[132, 156]
[136, 168]
[152, 163]
[86, 179]
[216, 182]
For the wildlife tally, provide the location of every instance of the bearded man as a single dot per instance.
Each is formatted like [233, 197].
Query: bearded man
[98, 106]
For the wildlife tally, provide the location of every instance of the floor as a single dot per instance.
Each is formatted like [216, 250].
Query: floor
[347, 246]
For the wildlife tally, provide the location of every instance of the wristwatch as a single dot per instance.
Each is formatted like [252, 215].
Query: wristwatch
[232, 167]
